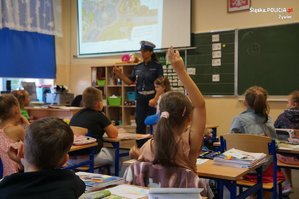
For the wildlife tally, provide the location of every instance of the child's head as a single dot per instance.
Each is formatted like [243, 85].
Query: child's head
[176, 114]
[47, 142]
[9, 107]
[22, 96]
[162, 85]
[92, 98]
[293, 100]
[256, 98]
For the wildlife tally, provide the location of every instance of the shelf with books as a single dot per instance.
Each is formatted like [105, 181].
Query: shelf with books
[116, 109]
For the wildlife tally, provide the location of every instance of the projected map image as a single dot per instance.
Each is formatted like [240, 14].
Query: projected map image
[107, 20]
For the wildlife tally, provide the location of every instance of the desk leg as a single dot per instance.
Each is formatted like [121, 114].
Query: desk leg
[232, 188]
[260, 182]
[116, 158]
[220, 189]
[91, 160]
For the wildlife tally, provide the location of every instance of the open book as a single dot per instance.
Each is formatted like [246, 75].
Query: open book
[94, 181]
[238, 158]
[82, 140]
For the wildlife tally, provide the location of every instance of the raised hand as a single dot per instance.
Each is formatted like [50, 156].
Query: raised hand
[116, 71]
[173, 55]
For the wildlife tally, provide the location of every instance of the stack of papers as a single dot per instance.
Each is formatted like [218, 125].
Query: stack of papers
[238, 158]
[94, 181]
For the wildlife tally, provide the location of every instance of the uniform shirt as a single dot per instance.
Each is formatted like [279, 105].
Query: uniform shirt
[94, 121]
[145, 75]
[250, 123]
[45, 184]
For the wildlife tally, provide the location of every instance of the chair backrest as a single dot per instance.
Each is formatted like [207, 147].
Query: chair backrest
[255, 144]
[150, 175]
[79, 130]
[246, 142]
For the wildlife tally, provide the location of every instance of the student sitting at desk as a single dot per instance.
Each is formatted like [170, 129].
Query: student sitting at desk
[10, 130]
[162, 85]
[96, 122]
[255, 120]
[24, 100]
[179, 133]
[46, 145]
[289, 119]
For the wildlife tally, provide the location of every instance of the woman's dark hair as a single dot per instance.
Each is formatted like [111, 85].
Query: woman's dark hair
[256, 98]
[179, 108]
[163, 81]
[154, 57]
[7, 102]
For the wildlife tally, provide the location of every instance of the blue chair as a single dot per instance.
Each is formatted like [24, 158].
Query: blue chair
[255, 144]
[151, 120]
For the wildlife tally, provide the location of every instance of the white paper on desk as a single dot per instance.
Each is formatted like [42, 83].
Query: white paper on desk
[175, 193]
[200, 161]
[128, 191]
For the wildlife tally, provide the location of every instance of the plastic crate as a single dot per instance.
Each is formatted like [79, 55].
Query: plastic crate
[131, 95]
[114, 101]
[101, 82]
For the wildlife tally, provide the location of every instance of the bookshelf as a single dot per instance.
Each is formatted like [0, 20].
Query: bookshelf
[123, 112]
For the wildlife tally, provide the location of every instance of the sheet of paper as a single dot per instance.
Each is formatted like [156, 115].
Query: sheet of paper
[200, 161]
[129, 191]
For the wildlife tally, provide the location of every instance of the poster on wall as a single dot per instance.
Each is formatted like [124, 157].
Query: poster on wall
[238, 5]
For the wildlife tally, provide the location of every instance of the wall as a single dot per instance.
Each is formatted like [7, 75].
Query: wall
[207, 15]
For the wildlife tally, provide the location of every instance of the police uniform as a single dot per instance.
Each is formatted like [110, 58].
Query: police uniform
[144, 75]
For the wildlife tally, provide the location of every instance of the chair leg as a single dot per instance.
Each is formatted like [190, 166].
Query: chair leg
[280, 190]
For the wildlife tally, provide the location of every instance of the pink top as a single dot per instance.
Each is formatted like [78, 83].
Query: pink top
[182, 156]
[9, 166]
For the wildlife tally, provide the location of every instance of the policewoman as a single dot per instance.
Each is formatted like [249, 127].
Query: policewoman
[144, 74]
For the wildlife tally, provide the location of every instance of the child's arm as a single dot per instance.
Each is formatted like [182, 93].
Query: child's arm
[122, 76]
[199, 115]
[154, 101]
[111, 131]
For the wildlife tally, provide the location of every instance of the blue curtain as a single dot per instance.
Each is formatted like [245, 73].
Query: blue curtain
[27, 54]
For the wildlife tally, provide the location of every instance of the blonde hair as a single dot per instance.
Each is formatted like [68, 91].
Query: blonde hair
[294, 98]
[91, 96]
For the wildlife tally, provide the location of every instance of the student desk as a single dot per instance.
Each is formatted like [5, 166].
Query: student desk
[89, 162]
[62, 112]
[228, 176]
[115, 144]
[288, 149]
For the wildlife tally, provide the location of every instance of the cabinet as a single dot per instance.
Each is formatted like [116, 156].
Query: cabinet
[122, 113]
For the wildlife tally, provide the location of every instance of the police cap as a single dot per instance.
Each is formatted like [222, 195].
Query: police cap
[146, 45]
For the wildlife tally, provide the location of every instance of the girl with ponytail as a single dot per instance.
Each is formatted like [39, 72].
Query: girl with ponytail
[255, 120]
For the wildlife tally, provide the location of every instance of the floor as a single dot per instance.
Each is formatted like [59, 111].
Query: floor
[295, 176]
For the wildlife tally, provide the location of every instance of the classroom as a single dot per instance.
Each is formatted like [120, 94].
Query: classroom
[207, 16]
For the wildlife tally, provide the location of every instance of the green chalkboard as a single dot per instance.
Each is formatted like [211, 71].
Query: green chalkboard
[269, 57]
[201, 59]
